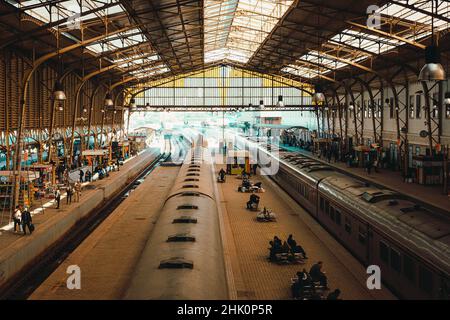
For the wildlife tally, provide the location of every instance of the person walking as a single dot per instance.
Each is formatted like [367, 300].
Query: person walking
[16, 217]
[69, 194]
[77, 191]
[27, 221]
[57, 198]
[369, 167]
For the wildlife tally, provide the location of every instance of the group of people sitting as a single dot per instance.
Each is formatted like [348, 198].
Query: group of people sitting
[247, 186]
[310, 285]
[266, 215]
[289, 248]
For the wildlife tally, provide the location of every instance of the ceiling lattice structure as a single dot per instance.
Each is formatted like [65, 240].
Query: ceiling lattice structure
[143, 41]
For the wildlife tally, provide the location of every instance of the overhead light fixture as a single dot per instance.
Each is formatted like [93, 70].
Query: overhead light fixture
[132, 103]
[432, 70]
[351, 106]
[58, 92]
[261, 104]
[318, 96]
[280, 102]
[108, 100]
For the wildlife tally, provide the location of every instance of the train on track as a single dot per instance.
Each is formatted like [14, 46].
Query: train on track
[183, 257]
[408, 241]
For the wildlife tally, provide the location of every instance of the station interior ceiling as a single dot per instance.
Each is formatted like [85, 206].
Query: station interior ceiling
[121, 46]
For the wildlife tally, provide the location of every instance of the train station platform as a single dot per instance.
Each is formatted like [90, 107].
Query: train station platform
[431, 195]
[18, 252]
[246, 244]
[108, 256]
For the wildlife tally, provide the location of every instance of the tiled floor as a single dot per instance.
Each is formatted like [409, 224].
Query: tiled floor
[256, 278]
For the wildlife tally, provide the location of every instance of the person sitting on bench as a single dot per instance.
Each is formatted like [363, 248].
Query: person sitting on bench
[295, 247]
[317, 275]
[303, 281]
[222, 175]
[246, 184]
[254, 200]
[277, 241]
[275, 248]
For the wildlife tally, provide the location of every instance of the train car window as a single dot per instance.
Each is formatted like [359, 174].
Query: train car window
[348, 225]
[395, 260]
[338, 217]
[331, 213]
[384, 252]
[190, 186]
[327, 207]
[322, 205]
[187, 206]
[425, 279]
[176, 263]
[362, 235]
[409, 268]
[191, 179]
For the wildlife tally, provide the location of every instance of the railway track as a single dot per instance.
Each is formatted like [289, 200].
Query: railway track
[55, 255]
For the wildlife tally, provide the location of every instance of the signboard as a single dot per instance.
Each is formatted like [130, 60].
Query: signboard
[98, 152]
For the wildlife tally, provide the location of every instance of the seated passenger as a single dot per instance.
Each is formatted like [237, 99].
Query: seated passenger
[246, 184]
[258, 185]
[317, 275]
[277, 241]
[334, 295]
[295, 247]
[254, 199]
[222, 175]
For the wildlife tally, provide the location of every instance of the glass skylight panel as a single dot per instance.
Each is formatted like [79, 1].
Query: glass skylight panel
[69, 8]
[117, 41]
[239, 25]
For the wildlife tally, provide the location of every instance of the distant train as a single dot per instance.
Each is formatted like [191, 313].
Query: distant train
[409, 242]
[183, 257]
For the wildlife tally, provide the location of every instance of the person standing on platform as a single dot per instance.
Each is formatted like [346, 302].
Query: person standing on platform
[57, 198]
[369, 167]
[26, 221]
[69, 194]
[88, 175]
[81, 175]
[77, 192]
[17, 216]
[254, 167]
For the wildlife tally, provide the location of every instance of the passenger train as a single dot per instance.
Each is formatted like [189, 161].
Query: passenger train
[409, 242]
[183, 257]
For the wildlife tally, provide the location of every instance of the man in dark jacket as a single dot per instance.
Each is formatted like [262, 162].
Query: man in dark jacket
[317, 274]
[26, 221]
[81, 175]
